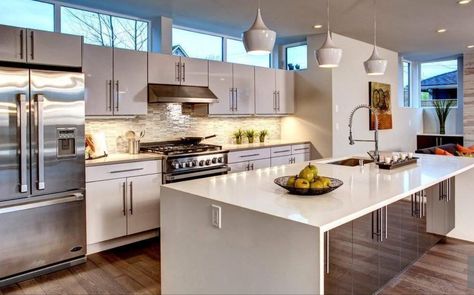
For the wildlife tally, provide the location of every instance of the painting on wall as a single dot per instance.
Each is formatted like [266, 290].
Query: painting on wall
[380, 99]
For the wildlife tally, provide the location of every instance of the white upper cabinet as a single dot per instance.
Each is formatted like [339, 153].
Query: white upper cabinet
[194, 72]
[13, 44]
[285, 87]
[220, 83]
[47, 48]
[98, 70]
[164, 69]
[175, 70]
[244, 89]
[131, 84]
[116, 81]
[265, 91]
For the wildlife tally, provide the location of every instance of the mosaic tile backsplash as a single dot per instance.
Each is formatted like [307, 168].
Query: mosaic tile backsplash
[166, 122]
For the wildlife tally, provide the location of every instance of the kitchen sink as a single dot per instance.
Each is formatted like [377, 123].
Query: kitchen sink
[351, 162]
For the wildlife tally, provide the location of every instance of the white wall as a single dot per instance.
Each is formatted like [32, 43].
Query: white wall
[431, 122]
[325, 98]
[350, 87]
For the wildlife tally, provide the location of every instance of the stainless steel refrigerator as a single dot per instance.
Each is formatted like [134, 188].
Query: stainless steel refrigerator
[42, 172]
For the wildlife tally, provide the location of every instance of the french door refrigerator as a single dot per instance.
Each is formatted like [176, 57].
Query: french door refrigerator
[42, 172]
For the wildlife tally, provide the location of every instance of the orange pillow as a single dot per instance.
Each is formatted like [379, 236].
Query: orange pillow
[463, 149]
[471, 148]
[442, 152]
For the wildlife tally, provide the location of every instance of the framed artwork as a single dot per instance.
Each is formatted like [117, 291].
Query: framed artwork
[381, 100]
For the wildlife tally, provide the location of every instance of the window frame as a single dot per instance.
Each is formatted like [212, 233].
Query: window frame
[285, 51]
[410, 83]
[420, 64]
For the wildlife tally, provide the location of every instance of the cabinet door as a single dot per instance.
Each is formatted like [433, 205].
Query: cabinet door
[284, 160]
[259, 164]
[239, 167]
[194, 72]
[143, 203]
[285, 87]
[244, 87]
[13, 45]
[220, 83]
[47, 48]
[300, 158]
[106, 210]
[265, 94]
[389, 248]
[338, 274]
[164, 69]
[365, 257]
[98, 80]
[131, 83]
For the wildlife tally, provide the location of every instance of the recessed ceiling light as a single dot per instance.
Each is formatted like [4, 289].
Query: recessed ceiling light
[470, 46]
[317, 26]
[441, 30]
[462, 2]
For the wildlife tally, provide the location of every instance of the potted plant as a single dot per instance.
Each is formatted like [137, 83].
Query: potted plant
[262, 134]
[238, 135]
[250, 135]
[443, 107]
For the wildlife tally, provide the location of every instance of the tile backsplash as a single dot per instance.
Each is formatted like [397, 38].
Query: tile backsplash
[166, 122]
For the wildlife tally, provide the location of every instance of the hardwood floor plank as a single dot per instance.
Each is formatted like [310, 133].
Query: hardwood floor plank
[31, 287]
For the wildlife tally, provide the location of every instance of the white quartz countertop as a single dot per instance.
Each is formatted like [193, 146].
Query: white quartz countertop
[119, 158]
[258, 145]
[364, 189]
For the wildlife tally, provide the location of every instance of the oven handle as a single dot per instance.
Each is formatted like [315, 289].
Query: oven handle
[195, 174]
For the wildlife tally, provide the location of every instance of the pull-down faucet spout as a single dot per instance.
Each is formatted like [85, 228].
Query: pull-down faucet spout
[375, 155]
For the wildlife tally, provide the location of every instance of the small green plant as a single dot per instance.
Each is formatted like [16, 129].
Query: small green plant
[238, 135]
[443, 107]
[262, 134]
[250, 135]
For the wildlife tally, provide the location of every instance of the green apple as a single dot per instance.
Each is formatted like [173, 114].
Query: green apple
[291, 181]
[307, 174]
[318, 184]
[301, 183]
[314, 169]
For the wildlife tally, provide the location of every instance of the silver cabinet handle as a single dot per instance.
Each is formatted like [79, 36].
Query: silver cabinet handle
[184, 72]
[117, 93]
[278, 100]
[32, 45]
[124, 193]
[231, 99]
[250, 155]
[236, 99]
[40, 139]
[21, 44]
[22, 124]
[252, 167]
[327, 252]
[111, 91]
[177, 76]
[131, 197]
[31, 205]
[126, 170]
[386, 222]
[282, 151]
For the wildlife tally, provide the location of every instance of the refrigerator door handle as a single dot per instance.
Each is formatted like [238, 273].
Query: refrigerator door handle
[40, 137]
[23, 154]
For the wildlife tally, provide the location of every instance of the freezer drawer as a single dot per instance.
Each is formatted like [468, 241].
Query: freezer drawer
[40, 233]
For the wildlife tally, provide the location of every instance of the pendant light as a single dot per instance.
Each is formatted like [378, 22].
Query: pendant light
[328, 56]
[259, 39]
[375, 65]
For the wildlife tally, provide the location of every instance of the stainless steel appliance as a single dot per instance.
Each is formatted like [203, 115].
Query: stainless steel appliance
[185, 161]
[42, 172]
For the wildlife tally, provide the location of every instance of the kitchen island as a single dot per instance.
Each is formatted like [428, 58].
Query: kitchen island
[241, 234]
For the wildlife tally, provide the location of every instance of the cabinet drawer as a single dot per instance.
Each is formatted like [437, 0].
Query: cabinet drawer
[105, 172]
[280, 151]
[300, 148]
[248, 155]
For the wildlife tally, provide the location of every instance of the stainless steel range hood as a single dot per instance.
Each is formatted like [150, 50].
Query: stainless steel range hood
[161, 93]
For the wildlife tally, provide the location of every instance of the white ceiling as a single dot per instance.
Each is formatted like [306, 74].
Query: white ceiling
[406, 26]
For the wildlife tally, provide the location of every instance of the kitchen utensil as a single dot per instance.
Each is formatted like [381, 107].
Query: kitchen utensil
[133, 146]
[282, 181]
[195, 140]
[130, 134]
[142, 134]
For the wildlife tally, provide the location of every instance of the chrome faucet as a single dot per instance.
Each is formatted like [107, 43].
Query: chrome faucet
[375, 155]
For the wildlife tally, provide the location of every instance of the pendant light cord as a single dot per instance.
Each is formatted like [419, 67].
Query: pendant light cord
[375, 23]
[327, 10]
[258, 3]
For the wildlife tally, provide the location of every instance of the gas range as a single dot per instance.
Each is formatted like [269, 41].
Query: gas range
[184, 161]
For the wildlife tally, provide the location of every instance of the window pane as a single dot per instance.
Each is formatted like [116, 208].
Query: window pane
[27, 13]
[105, 30]
[297, 57]
[406, 84]
[190, 44]
[439, 80]
[236, 53]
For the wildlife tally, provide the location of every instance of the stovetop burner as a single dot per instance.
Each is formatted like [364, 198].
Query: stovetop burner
[177, 148]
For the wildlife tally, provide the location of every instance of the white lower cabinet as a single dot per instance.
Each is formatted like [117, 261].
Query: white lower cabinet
[285, 160]
[249, 165]
[121, 206]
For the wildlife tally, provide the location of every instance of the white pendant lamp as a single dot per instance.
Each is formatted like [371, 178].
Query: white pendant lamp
[259, 39]
[328, 56]
[375, 65]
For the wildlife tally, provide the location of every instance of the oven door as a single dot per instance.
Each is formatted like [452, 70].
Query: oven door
[170, 178]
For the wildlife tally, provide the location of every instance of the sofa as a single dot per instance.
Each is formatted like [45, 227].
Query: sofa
[450, 148]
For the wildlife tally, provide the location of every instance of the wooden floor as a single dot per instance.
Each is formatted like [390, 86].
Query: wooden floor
[135, 269]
